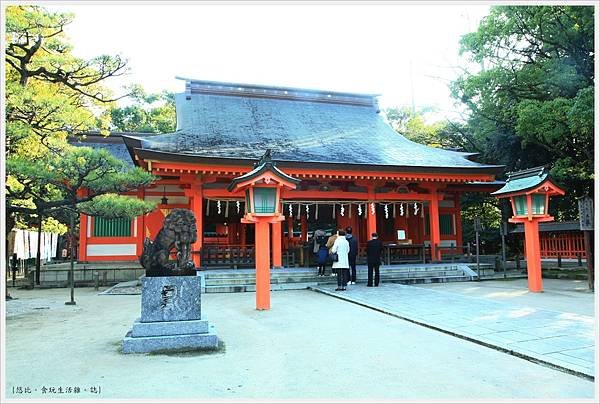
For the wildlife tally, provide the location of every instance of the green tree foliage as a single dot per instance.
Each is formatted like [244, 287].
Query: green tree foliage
[533, 103]
[153, 113]
[84, 179]
[50, 95]
[414, 126]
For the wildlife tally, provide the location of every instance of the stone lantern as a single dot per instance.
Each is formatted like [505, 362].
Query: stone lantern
[262, 187]
[529, 192]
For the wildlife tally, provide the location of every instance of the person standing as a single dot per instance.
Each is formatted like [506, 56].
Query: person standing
[329, 246]
[342, 248]
[353, 243]
[374, 250]
[321, 251]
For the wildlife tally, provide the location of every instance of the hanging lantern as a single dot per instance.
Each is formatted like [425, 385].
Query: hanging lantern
[164, 200]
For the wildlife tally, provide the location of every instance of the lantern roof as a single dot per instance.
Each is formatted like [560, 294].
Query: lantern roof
[529, 181]
[263, 166]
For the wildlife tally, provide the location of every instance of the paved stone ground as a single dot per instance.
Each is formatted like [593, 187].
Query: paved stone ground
[309, 346]
[564, 339]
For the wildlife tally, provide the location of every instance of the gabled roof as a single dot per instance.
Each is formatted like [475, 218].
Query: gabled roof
[525, 180]
[241, 121]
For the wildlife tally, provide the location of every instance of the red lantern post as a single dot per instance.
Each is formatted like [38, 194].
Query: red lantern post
[262, 187]
[529, 192]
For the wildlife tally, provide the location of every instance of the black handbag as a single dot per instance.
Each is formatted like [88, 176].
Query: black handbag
[333, 257]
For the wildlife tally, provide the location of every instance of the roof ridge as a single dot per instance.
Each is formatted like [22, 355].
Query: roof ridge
[528, 172]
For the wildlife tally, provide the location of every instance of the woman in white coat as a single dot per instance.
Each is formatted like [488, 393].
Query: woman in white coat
[342, 248]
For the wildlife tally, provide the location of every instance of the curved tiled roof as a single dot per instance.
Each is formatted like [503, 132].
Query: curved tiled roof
[319, 128]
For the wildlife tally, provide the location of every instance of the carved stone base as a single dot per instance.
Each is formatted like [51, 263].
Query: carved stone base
[165, 343]
[170, 319]
[170, 298]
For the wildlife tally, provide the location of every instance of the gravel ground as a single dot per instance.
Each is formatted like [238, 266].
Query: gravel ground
[308, 346]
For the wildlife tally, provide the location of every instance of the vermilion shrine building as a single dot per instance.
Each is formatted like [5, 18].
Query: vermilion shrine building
[355, 170]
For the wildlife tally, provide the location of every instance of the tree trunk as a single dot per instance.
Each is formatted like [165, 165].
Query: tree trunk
[72, 269]
[38, 254]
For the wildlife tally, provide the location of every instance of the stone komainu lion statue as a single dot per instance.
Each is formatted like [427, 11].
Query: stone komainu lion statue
[179, 232]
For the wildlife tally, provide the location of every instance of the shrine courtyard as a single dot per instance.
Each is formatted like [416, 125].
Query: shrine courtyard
[308, 346]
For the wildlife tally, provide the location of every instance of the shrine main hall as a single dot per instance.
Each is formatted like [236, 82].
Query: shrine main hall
[355, 170]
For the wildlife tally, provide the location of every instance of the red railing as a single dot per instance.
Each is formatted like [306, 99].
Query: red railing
[566, 245]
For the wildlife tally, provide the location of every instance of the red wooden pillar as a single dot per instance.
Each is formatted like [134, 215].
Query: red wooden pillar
[243, 234]
[139, 229]
[534, 264]
[458, 219]
[194, 193]
[276, 245]
[303, 228]
[83, 237]
[434, 225]
[263, 272]
[371, 213]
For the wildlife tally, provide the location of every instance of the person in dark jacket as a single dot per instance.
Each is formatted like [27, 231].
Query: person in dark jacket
[320, 250]
[352, 254]
[374, 250]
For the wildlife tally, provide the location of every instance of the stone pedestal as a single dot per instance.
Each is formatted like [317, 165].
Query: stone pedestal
[170, 318]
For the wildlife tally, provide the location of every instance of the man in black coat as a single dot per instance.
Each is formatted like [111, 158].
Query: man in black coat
[352, 254]
[374, 249]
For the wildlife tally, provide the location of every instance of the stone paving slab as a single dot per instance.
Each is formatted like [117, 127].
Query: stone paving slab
[561, 340]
